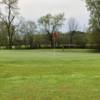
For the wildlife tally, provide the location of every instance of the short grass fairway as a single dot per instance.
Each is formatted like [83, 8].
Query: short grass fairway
[44, 75]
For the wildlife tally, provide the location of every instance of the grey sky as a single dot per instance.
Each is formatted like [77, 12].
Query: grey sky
[33, 9]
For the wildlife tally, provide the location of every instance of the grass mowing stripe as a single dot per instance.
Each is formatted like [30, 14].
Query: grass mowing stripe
[39, 75]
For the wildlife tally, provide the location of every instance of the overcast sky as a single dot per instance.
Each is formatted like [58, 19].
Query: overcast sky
[33, 9]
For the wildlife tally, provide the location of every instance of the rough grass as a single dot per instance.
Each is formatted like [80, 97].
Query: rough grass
[45, 75]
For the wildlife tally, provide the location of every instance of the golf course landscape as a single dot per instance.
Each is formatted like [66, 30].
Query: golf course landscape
[49, 49]
[72, 74]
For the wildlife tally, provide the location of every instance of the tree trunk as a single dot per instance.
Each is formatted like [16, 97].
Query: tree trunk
[10, 43]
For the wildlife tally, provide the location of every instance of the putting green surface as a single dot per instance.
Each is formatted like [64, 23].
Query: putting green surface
[45, 75]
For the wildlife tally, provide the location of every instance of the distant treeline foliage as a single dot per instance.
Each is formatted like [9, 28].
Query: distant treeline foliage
[16, 32]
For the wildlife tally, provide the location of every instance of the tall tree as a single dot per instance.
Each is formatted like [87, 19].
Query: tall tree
[27, 29]
[3, 35]
[51, 24]
[72, 27]
[8, 18]
[94, 8]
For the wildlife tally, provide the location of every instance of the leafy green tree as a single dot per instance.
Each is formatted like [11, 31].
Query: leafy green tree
[3, 35]
[94, 8]
[79, 39]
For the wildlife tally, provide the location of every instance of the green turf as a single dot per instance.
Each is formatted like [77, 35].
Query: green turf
[45, 75]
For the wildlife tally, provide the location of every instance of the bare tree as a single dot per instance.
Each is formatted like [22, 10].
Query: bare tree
[51, 24]
[8, 18]
[27, 30]
[73, 27]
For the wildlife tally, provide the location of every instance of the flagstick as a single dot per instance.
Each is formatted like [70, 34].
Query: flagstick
[55, 36]
[54, 47]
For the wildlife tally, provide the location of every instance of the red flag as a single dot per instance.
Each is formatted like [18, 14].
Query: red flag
[55, 36]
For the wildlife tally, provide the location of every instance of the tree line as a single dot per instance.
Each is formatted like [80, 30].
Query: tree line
[19, 33]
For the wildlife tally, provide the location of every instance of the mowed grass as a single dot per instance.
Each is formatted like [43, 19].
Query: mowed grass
[45, 75]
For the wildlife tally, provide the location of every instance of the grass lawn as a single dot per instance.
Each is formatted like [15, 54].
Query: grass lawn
[43, 75]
